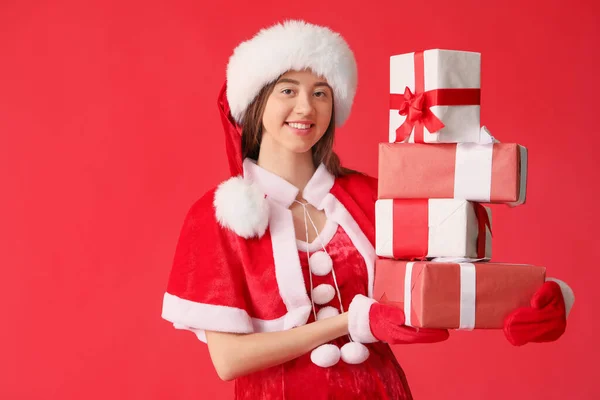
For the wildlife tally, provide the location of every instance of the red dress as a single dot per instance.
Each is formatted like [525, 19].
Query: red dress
[239, 268]
[379, 377]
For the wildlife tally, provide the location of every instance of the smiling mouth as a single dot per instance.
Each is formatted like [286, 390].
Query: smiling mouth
[300, 126]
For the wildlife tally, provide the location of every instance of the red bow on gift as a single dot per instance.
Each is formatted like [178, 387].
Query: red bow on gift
[417, 111]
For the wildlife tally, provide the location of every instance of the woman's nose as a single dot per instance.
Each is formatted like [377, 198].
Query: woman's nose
[304, 104]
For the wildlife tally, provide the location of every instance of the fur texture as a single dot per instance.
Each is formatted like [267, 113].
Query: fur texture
[291, 45]
[320, 263]
[359, 321]
[323, 293]
[327, 312]
[325, 355]
[214, 265]
[567, 293]
[241, 207]
[543, 321]
[354, 353]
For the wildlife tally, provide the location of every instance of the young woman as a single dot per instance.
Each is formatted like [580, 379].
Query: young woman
[274, 268]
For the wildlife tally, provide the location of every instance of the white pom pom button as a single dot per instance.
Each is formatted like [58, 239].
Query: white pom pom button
[354, 353]
[320, 263]
[323, 293]
[327, 312]
[326, 355]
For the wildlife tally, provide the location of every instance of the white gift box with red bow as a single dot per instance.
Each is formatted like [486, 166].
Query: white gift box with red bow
[435, 97]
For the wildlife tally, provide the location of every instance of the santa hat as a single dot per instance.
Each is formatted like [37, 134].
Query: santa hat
[291, 45]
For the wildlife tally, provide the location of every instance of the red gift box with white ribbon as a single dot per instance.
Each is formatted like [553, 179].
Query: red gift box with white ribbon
[456, 295]
[485, 173]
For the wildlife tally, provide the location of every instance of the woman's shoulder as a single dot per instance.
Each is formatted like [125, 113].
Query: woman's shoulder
[202, 209]
[357, 182]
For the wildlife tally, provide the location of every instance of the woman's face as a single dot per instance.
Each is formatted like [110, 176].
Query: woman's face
[298, 111]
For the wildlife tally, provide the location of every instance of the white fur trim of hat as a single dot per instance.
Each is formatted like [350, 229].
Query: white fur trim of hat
[291, 45]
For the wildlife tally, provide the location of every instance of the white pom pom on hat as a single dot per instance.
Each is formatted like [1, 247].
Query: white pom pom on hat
[242, 207]
[291, 45]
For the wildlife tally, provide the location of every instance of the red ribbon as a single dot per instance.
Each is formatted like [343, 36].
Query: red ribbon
[483, 222]
[410, 229]
[416, 107]
[410, 234]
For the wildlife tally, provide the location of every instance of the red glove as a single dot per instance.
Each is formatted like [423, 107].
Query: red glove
[370, 321]
[544, 321]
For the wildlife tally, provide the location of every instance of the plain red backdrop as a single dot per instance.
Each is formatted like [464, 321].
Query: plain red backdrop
[109, 131]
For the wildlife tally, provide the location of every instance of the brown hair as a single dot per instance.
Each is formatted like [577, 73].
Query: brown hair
[252, 130]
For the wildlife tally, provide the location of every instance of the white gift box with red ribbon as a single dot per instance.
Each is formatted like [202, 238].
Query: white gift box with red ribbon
[427, 228]
[435, 97]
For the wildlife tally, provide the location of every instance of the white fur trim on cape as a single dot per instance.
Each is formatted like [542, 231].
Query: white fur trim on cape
[205, 316]
[242, 207]
[288, 270]
[199, 317]
[337, 212]
[291, 45]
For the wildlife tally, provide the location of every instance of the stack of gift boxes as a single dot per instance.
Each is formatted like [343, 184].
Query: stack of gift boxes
[433, 234]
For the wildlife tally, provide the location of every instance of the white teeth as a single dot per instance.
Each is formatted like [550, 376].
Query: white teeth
[298, 126]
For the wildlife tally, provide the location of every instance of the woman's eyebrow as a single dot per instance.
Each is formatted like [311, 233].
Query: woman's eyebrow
[287, 80]
[322, 84]
[295, 82]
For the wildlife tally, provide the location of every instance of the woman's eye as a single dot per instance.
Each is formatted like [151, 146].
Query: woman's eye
[287, 91]
[320, 94]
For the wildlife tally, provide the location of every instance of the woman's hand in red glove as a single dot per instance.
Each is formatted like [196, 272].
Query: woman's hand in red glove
[545, 320]
[370, 321]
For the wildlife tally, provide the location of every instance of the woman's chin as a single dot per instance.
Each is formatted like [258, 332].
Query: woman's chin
[300, 146]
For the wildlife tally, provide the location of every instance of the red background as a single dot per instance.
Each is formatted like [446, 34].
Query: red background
[109, 132]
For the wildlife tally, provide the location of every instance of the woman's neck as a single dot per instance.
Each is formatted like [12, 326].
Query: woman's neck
[296, 168]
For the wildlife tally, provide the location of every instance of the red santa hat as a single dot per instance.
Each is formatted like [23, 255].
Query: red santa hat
[291, 45]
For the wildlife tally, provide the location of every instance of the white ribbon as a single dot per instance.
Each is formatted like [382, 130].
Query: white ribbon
[473, 172]
[408, 292]
[485, 136]
[523, 178]
[467, 296]
[473, 169]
